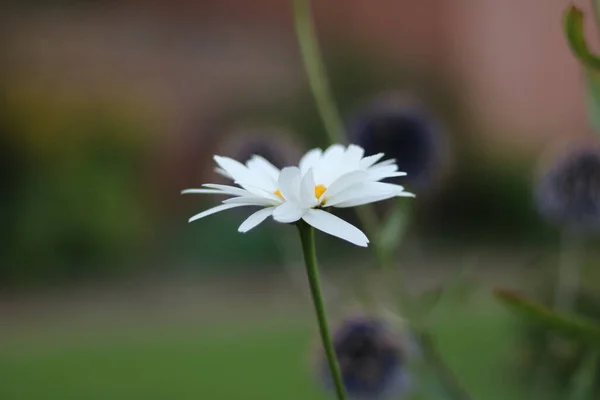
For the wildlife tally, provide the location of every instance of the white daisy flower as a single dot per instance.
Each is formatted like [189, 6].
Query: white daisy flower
[337, 177]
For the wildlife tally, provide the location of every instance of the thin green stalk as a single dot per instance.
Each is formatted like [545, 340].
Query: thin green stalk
[565, 296]
[317, 79]
[307, 237]
[583, 381]
[567, 284]
[596, 6]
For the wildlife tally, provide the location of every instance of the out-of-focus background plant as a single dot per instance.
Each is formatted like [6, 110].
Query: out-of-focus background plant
[109, 109]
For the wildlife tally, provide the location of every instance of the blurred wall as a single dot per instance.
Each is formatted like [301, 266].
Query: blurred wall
[192, 57]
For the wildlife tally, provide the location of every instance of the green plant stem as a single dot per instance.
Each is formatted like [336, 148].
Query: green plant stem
[317, 79]
[567, 284]
[596, 6]
[565, 296]
[583, 381]
[310, 259]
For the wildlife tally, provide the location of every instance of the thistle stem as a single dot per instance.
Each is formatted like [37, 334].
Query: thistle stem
[565, 298]
[596, 6]
[317, 78]
[568, 271]
[310, 259]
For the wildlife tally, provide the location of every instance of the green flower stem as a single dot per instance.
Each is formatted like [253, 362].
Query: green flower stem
[596, 5]
[319, 85]
[565, 297]
[311, 56]
[307, 236]
[568, 271]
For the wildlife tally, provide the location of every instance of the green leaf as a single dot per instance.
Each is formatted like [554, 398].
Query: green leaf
[578, 328]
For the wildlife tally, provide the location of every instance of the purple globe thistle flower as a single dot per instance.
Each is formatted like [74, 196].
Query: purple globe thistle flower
[372, 359]
[404, 131]
[569, 191]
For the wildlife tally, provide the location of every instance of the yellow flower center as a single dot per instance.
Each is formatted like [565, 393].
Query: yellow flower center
[319, 190]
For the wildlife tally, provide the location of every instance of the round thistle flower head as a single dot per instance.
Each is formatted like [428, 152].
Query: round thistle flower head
[372, 359]
[404, 131]
[337, 177]
[569, 191]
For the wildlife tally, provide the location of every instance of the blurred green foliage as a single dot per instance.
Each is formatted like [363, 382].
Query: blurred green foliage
[73, 199]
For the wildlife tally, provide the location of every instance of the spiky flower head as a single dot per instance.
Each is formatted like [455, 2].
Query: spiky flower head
[406, 132]
[372, 356]
[568, 192]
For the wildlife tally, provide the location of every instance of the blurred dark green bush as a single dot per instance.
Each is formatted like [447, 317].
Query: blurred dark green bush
[72, 199]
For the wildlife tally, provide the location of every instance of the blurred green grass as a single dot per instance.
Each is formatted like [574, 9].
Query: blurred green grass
[232, 359]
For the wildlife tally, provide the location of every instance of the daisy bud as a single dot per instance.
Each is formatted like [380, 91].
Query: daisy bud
[403, 131]
[372, 359]
[569, 190]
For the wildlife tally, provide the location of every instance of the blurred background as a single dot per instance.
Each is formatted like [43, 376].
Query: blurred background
[109, 109]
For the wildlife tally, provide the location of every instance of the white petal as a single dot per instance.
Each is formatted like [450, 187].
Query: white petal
[213, 210]
[353, 155]
[266, 166]
[375, 191]
[344, 182]
[383, 168]
[232, 190]
[364, 190]
[371, 199]
[310, 159]
[221, 171]
[288, 212]
[235, 169]
[389, 161]
[335, 151]
[262, 173]
[255, 191]
[289, 183]
[370, 160]
[307, 190]
[329, 223]
[359, 201]
[255, 219]
[331, 165]
[394, 174]
[331, 158]
[203, 191]
[251, 201]
[388, 171]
